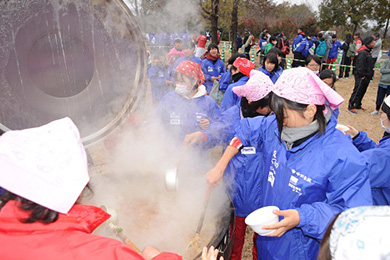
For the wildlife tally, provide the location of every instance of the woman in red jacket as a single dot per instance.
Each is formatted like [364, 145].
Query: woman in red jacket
[43, 172]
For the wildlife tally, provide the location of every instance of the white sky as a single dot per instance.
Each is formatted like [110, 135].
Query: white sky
[313, 4]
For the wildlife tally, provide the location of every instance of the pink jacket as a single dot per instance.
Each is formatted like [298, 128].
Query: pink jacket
[69, 238]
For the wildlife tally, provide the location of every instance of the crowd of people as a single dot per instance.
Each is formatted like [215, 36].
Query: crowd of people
[278, 130]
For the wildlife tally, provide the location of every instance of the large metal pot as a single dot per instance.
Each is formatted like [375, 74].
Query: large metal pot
[79, 58]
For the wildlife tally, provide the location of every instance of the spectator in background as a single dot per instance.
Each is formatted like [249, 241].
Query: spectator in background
[377, 50]
[159, 76]
[249, 41]
[176, 52]
[272, 44]
[335, 45]
[349, 51]
[212, 66]
[321, 48]
[263, 41]
[201, 41]
[383, 86]
[239, 42]
[364, 72]
[358, 44]
[188, 50]
[298, 48]
[284, 47]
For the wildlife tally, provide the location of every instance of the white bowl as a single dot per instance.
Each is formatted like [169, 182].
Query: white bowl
[262, 217]
[342, 128]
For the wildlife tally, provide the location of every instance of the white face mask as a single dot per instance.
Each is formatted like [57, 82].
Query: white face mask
[387, 129]
[317, 72]
[182, 90]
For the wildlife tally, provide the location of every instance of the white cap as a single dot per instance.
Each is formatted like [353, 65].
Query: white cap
[46, 165]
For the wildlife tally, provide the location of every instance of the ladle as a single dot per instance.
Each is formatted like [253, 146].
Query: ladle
[112, 223]
[171, 175]
[195, 242]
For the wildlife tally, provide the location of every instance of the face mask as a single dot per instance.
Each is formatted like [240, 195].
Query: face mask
[387, 129]
[317, 72]
[182, 90]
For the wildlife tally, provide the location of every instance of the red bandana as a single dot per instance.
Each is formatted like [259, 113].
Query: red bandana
[244, 65]
[191, 69]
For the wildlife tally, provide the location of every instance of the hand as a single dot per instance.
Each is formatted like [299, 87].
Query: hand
[150, 252]
[352, 131]
[193, 138]
[204, 124]
[214, 176]
[213, 79]
[212, 254]
[219, 77]
[168, 82]
[290, 220]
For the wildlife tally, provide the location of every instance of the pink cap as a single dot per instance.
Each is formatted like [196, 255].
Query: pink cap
[46, 165]
[258, 86]
[301, 85]
[244, 65]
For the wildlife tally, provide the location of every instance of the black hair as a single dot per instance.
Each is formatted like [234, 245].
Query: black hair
[334, 36]
[315, 58]
[275, 50]
[212, 46]
[328, 74]
[320, 35]
[324, 252]
[249, 110]
[38, 213]
[272, 38]
[377, 35]
[368, 40]
[357, 34]
[272, 58]
[233, 58]
[278, 104]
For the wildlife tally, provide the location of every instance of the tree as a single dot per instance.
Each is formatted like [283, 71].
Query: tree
[234, 26]
[381, 15]
[350, 13]
[210, 12]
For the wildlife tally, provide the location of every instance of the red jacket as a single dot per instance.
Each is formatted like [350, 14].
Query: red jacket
[69, 238]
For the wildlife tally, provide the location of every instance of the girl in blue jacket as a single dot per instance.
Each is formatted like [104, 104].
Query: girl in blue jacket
[271, 67]
[242, 178]
[212, 66]
[309, 169]
[378, 157]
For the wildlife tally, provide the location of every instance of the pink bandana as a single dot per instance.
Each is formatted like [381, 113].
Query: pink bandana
[191, 69]
[301, 85]
[258, 86]
[46, 165]
[244, 65]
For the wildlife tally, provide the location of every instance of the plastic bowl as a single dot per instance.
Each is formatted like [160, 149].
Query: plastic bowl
[342, 128]
[262, 217]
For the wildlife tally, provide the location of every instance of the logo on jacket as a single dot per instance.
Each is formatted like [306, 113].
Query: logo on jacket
[210, 69]
[272, 172]
[174, 119]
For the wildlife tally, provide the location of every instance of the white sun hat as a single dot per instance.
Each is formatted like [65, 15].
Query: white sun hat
[46, 165]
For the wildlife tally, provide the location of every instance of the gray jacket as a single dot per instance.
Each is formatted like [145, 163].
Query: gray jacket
[385, 70]
[377, 48]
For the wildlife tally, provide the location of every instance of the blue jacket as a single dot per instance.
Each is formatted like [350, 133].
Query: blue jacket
[230, 98]
[181, 116]
[319, 178]
[273, 75]
[157, 76]
[225, 81]
[378, 157]
[242, 173]
[297, 43]
[333, 51]
[212, 69]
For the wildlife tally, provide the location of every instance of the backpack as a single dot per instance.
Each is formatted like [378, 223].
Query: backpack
[321, 49]
[285, 48]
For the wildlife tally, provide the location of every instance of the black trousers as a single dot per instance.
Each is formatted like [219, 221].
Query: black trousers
[299, 60]
[360, 88]
[344, 71]
[380, 96]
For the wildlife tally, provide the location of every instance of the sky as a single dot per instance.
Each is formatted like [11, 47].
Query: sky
[312, 4]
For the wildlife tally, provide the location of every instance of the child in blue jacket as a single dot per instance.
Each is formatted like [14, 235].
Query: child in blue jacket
[159, 76]
[271, 67]
[311, 171]
[212, 66]
[242, 177]
[378, 157]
